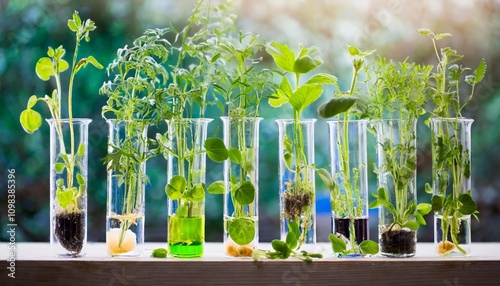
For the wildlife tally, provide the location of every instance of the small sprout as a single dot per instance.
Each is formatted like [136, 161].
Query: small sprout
[159, 253]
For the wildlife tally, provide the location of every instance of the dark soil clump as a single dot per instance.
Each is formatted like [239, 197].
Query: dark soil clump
[295, 204]
[70, 231]
[341, 226]
[398, 243]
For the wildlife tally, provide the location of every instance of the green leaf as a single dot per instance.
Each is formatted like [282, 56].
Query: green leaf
[437, 203]
[159, 253]
[282, 94]
[235, 155]
[32, 101]
[216, 188]
[81, 150]
[368, 247]
[216, 150]
[281, 247]
[469, 206]
[176, 187]
[442, 35]
[287, 159]
[305, 95]
[322, 78]
[424, 208]
[245, 194]
[308, 60]
[424, 32]
[65, 198]
[413, 225]
[50, 52]
[44, 69]
[338, 244]
[59, 167]
[480, 71]
[72, 25]
[382, 194]
[374, 204]
[30, 120]
[283, 57]
[94, 62]
[62, 65]
[420, 219]
[291, 240]
[335, 105]
[327, 179]
[80, 179]
[242, 230]
[293, 227]
[355, 52]
[197, 193]
[428, 188]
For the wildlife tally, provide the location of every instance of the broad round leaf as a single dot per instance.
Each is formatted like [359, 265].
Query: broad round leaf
[32, 101]
[242, 230]
[59, 167]
[291, 240]
[198, 193]
[338, 244]
[159, 253]
[281, 247]
[235, 155]
[30, 120]
[217, 188]
[335, 106]
[245, 194]
[43, 68]
[413, 225]
[216, 150]
[368, 247]
[175, 187]
[62, 65]
[437, 203]
[469, 206]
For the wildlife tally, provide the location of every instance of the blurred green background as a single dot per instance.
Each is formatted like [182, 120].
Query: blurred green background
[28, 27]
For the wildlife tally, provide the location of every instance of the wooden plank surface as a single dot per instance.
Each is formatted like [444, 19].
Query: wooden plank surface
[35, 266]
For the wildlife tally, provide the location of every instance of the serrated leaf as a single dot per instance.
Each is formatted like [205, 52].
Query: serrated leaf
[176, 187]
[245, 194]
[59, 167]
[283, 57]
[235, 155]
[44, 69]
[30, 120]
[480, 71]
[369, 247]
[217, 188]
[216, 150]
[338, 244]
[305, 95]
[335, 106]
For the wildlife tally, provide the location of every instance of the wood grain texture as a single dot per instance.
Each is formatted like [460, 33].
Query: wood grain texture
[34, 266]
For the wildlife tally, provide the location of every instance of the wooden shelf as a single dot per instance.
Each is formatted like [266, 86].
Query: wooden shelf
[35, 266]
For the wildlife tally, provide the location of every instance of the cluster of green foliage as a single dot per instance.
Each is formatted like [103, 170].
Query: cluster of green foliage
[68, 192]
[398, 94]
[451, 159]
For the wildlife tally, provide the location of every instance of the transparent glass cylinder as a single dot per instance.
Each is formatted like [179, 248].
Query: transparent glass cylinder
[296, 174]
[126, 183]
[186, 177]
[451, 174]
[241, 180]
[68, 186]
[349, 198]
[397, 176]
